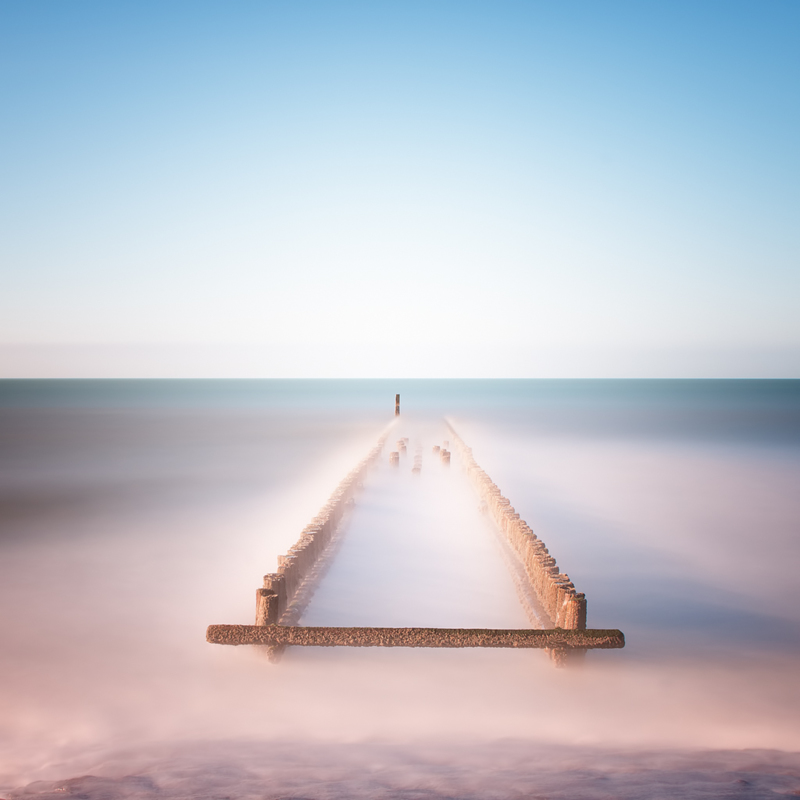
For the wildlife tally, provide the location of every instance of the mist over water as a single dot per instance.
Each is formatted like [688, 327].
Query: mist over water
[134, 514]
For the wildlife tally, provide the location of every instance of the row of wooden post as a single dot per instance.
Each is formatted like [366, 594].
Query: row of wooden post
[275, 598]
[565, 606]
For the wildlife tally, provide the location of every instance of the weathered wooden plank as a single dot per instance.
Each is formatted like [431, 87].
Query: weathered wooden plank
[300, 636]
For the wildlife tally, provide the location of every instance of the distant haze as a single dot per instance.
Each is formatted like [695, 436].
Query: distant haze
[423, 190]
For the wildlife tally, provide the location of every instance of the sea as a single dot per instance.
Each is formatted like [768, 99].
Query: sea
[133, 514]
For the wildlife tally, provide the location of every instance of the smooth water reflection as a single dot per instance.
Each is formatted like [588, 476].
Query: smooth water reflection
[127, 527]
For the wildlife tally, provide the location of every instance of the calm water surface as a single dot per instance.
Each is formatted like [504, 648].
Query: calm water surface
[133, 514]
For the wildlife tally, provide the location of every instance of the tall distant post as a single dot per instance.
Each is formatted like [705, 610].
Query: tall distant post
[396, 404]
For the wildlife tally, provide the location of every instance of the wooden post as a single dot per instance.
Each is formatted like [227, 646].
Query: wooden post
[277, 583]
[396, 404]
[266, 607]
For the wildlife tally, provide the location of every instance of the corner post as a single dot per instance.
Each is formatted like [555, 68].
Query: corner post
[266, 607]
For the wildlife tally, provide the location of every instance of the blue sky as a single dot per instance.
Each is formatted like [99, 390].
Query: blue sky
[412, 189]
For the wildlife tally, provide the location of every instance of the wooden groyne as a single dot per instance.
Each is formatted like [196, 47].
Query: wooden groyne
[548, 594]
[286, 592]
[300, 636]
[562, 604]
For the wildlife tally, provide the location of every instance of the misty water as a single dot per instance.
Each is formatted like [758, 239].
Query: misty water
[134, 514]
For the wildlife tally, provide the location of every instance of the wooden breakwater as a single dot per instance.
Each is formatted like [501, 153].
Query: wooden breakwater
[563, 605]
[301, 636]
[548, 595]
[286, 592]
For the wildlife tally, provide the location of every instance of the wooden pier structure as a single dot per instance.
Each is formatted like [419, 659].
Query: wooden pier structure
[554, 606]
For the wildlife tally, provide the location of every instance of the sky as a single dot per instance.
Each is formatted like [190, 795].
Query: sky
[400, 189]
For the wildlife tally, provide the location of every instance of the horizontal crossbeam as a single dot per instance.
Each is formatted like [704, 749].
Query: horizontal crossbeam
[301, 636]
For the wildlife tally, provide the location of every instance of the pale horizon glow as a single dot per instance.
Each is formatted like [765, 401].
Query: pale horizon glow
[358, 190]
